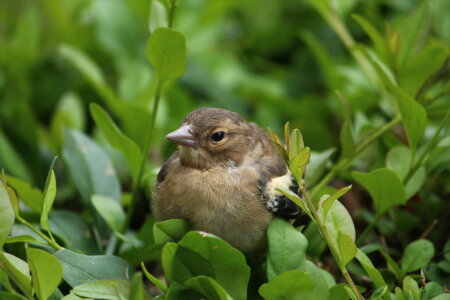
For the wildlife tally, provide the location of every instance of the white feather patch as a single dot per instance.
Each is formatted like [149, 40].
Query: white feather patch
[284, 181]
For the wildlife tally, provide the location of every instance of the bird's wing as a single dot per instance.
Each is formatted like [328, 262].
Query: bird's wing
[165, 168]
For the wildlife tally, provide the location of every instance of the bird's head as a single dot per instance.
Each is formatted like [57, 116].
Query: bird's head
[211, 137]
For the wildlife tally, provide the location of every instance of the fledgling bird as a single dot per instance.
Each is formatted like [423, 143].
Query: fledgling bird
[223, 177]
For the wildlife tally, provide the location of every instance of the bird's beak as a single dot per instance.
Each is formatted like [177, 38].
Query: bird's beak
[182, 136]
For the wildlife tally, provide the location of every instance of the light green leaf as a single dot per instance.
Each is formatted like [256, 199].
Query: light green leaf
[31, 196]
[160, 285]
[79, 268]
[110, 210]
[69, 113]
[298, 162]
[417, 255]
[411, 288]
[23, 239]
[373, 273]
[347, 249]
[385, 188]
[166, 51]
[112, 289]
[117, 139]
[18, 271]
[415, 183]
[296, 143]
[208, 287]
[399, 159]
[6, 214]
[287, 248]
[49, 196]
[158, 16]
[169, 231]
[326, 204]
[294, 284]
[46, 272]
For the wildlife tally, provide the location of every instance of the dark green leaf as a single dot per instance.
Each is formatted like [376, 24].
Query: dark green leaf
[166, 51]
[169, 231]
[46, 272]
[11, 296]
[417, 255]
[79, 268]
[110, 210]
[347, 139]
[113, 289]
[392, 266]
[287, 248]
[117, 139]
[385, 188]
[230, 268]
[208, 287]
[91, 169]
[179, 292]
[294, 284]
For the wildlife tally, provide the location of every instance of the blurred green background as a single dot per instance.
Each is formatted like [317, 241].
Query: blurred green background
[271, 61]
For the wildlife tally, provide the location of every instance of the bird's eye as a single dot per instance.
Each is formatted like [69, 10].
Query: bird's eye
[218, 136]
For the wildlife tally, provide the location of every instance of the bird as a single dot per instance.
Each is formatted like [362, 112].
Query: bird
[223, 179]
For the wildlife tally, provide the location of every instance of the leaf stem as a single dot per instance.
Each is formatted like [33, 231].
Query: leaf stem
[137, 184]
[325, 235]
[344, 163]
[38, 232]
[171, 13]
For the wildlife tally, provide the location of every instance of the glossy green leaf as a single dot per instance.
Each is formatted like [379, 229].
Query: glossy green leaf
[18, 271]
[385, 188]
[287, 248]
[370, 269]
[31, 196]
[166, 51]
[46, 272]
[180, 263]
[294, 284]
[110, 210]
[399, 160]
[347, 249]
[6, 214]
[117, 139]
[79, 268]
[229, 264]
[112, 289]
[90, 167]
[417, 255]
[49, 197]
[169, 231]
[208, 287]
[326, 204]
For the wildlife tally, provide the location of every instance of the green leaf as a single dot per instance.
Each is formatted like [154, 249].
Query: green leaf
[46, 272]
[229, 264]
[294, 284]
[79, 268]
[411, 288]
[279, 146]
[392, 266]
[415, 183]
[110, 210]
[90, 167]
[317, 166]
[137, 289]
[287, 248]
[169, 231]
[158, 16]
[208, 287]
[296, 143]
[31, 196]
[347, 140]
[18, 271]
[385, 188]
[434, 289]
[49, 197]
[399, 160]
[160, 285]
[166, 51]
[326, 204]
[298, 162]
[294, 198]
[69, 113]
[23, 239]
[417, 255]
[179, 292]
[347, 249]
[116, 289]
[117, 139]
[11, 296]
[442, 297]
[6, 214]
[180, 263]
[370, 269]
